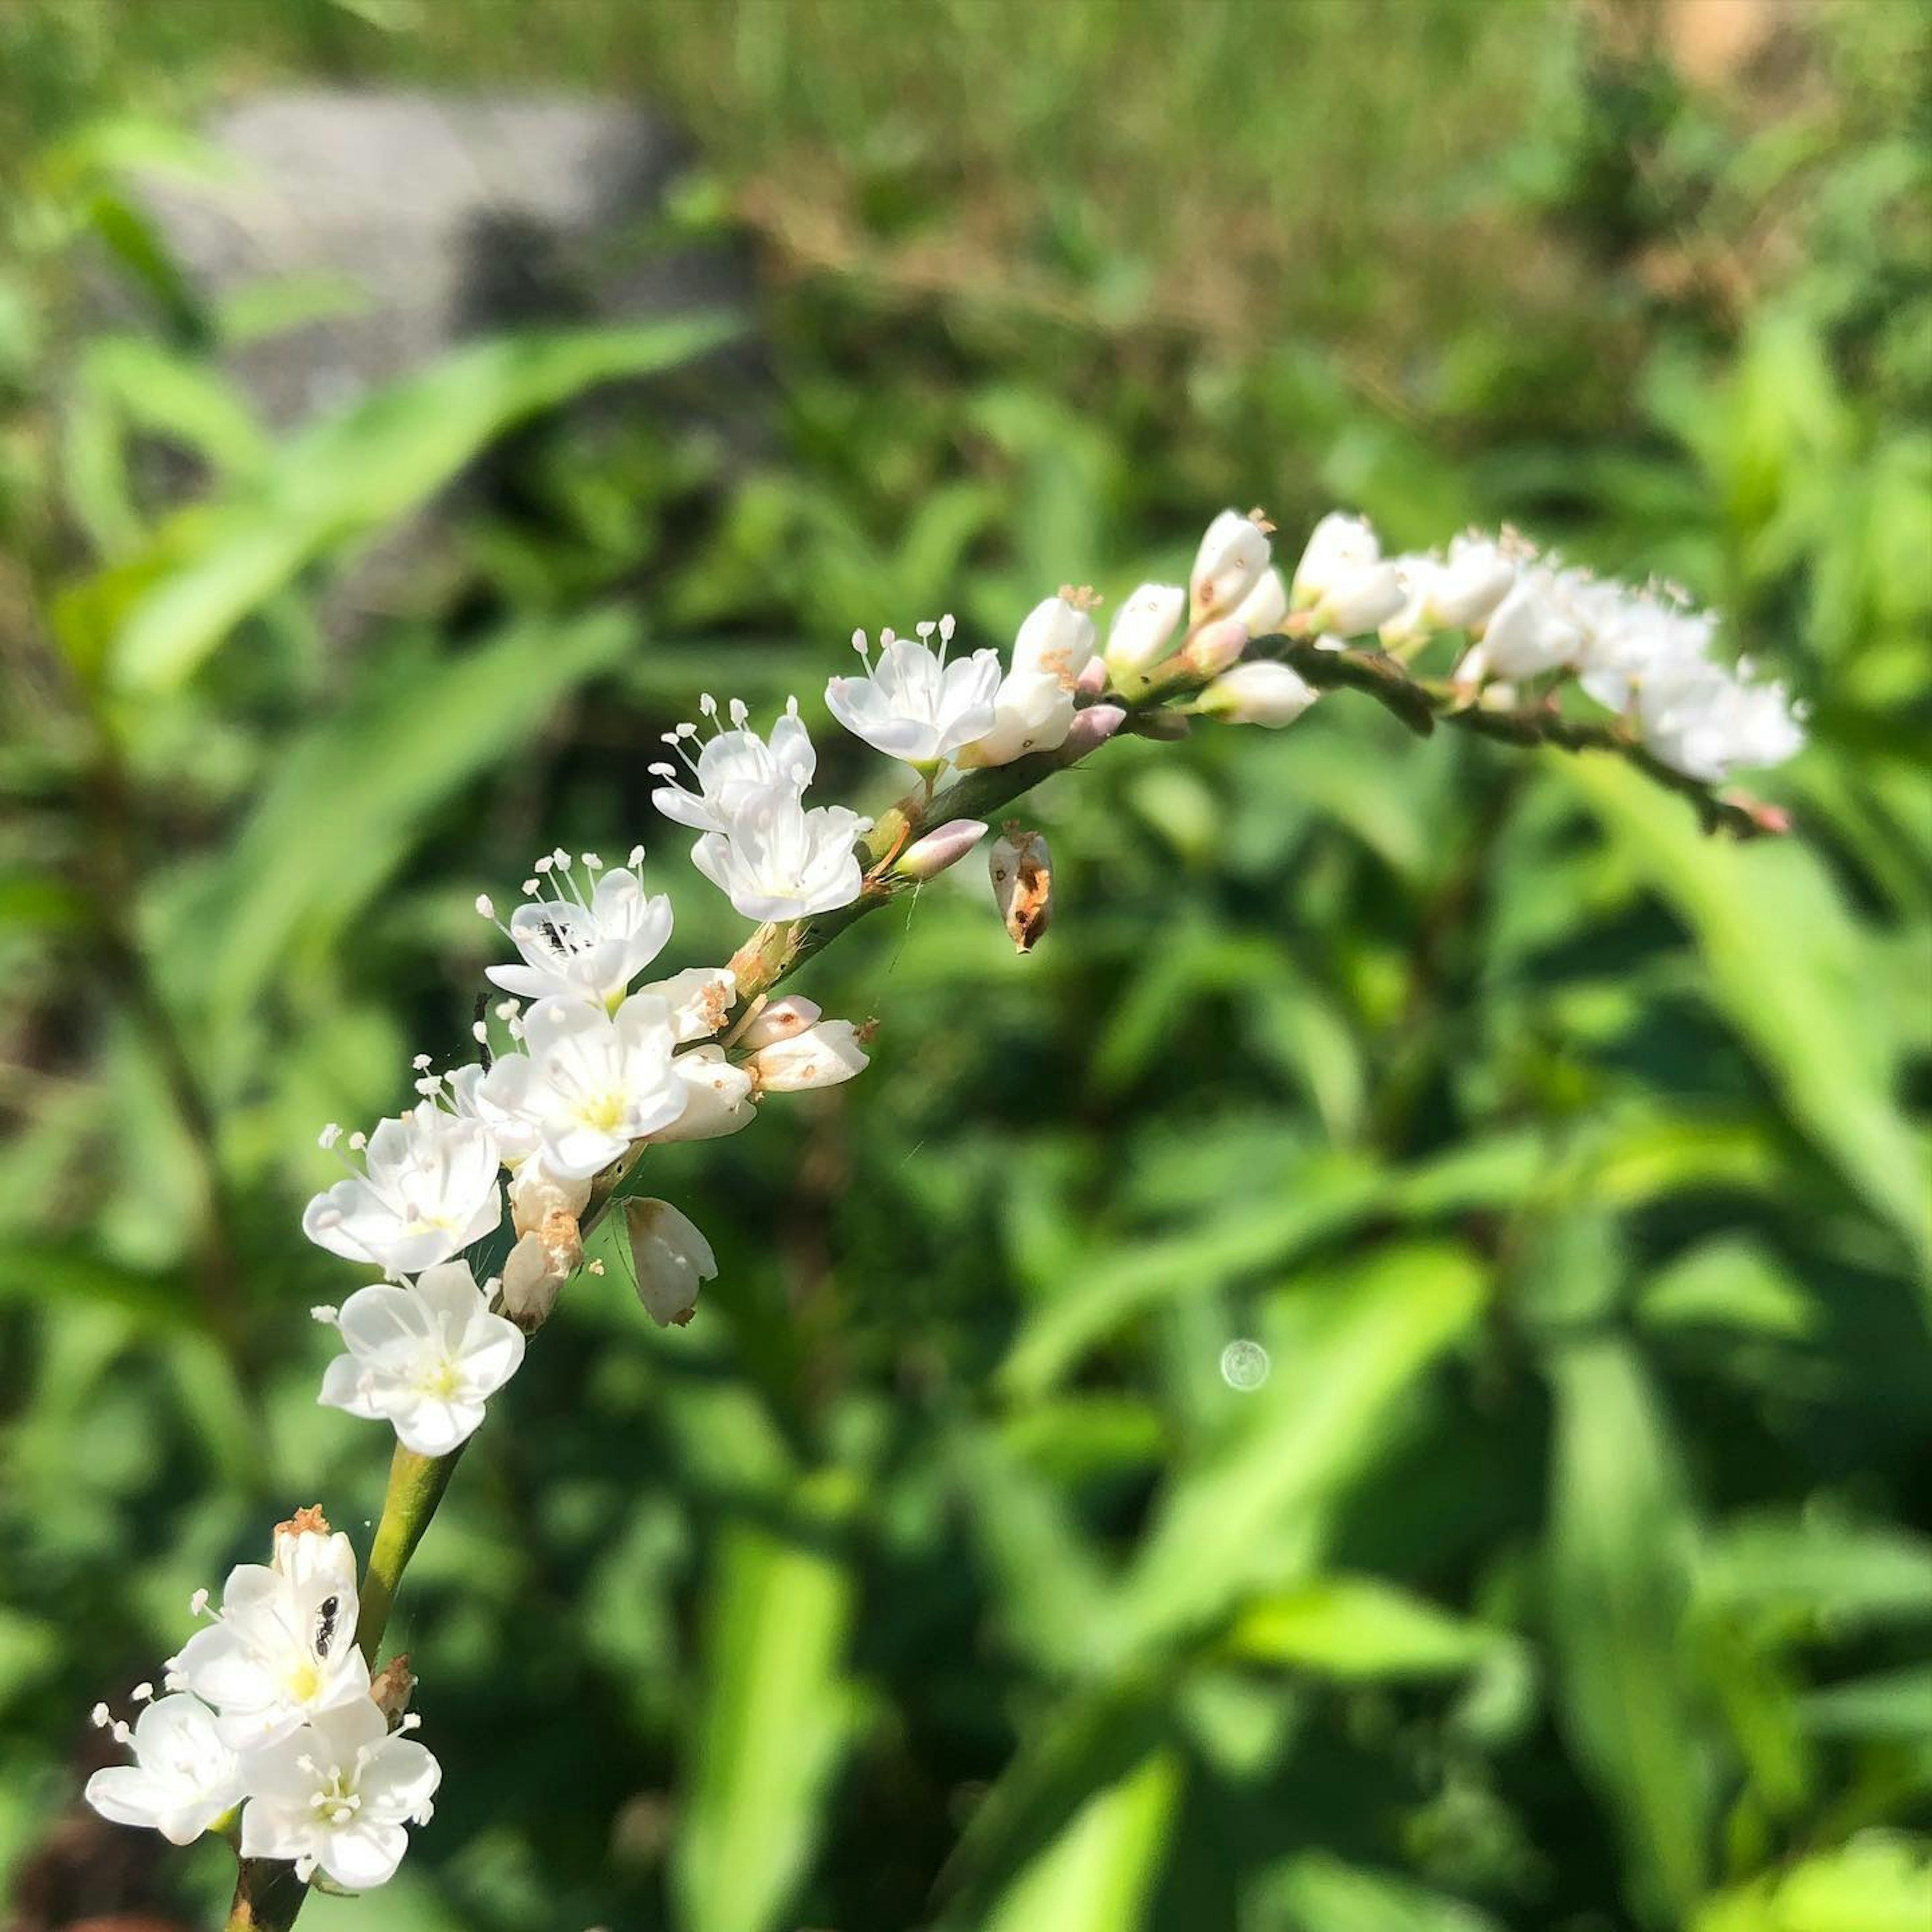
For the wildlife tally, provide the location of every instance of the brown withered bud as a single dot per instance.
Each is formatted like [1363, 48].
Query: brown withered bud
[392, 1687]
[1022, 875]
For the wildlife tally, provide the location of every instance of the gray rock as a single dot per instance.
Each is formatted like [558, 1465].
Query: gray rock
[437, 219]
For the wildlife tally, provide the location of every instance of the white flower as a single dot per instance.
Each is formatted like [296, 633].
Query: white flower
[467, 1091]
[1261, 693]
[781, 861]
[1033, 709]
[1143, 630]
[335, 1796]
[1228, 565]
[718, 1099]
[184, 1776]
[733, 766]
[591, 1082]
[1706, 722]
[911, 703]
[1628, 637]
[822, 1055]
[700, 999]
[429, 1191]
[1454, 594]
[580, 948]
[425, 1358]
[283, 1647]
[673, 1259]
[1534, 628]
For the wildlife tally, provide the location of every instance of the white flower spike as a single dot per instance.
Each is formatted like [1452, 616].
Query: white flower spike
[911, 703]
[335, 1796]
[425, 1358]
[185, 1775]
[429, 1190]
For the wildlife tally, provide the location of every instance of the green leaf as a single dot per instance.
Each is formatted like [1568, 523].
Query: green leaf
[1890, 1704]
[1788, 968]
[1256, 1515]
[1361, 1630]
[414, 731]
[1878, 1883]
[1621, 1544]
[777, 1713]
[1099, 1874]
[360, 472]
[1318, 1893]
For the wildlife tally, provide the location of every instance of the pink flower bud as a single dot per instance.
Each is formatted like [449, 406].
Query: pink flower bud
[1215, 646]
[926, 858]
[1094, 726]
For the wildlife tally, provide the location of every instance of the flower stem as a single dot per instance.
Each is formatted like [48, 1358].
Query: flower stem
[416, 1484]
[268, 1896]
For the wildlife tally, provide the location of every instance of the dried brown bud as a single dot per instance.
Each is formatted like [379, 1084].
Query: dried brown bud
[1022, 875]
[392, 1687]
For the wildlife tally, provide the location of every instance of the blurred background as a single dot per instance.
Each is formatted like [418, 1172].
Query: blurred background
[407, 405]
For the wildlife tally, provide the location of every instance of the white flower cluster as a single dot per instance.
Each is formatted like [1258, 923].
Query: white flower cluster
[1643, 653]
[596, 1070]
[270, 1709]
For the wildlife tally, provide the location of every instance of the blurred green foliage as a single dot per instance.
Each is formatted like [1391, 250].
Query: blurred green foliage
[1571, 1568]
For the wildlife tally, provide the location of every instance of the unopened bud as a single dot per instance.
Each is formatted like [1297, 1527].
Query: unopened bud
[1228, 565]
[821, 1056]
[1359, 601]
[1262, 612]
[535, 1269]
[719, 1099]
[1058, 637]
[1214, 647]
[672, 1257]
[1094, 725]
[536, 1195]
[779, 1020]
[1093, 680]
[1143, 632]
[1262, 693]
[1022, 875]
[926, 858]
[1337, 545]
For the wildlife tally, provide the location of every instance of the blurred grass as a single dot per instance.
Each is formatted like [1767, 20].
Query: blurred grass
[1572, 1568]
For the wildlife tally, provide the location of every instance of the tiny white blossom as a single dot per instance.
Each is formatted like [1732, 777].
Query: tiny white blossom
[911, 703]
[672, 1257]
[589, 1081]
[1534, 628]
[425, 1358]
[1260, 614]
[1628, 637]
[584, 948]
[429, 1190]
[1457, 593]
[335, 1797]
[779, 1019]
[185, 1775]
[282, 1647]
[823, 1055]
[944, 845]
[733, 766]
[1229, 565]
[782, 861]
[1057, 635]
[1708, 722]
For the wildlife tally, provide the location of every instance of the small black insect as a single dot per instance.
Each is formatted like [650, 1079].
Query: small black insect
[559, 944]
[324, 1624]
